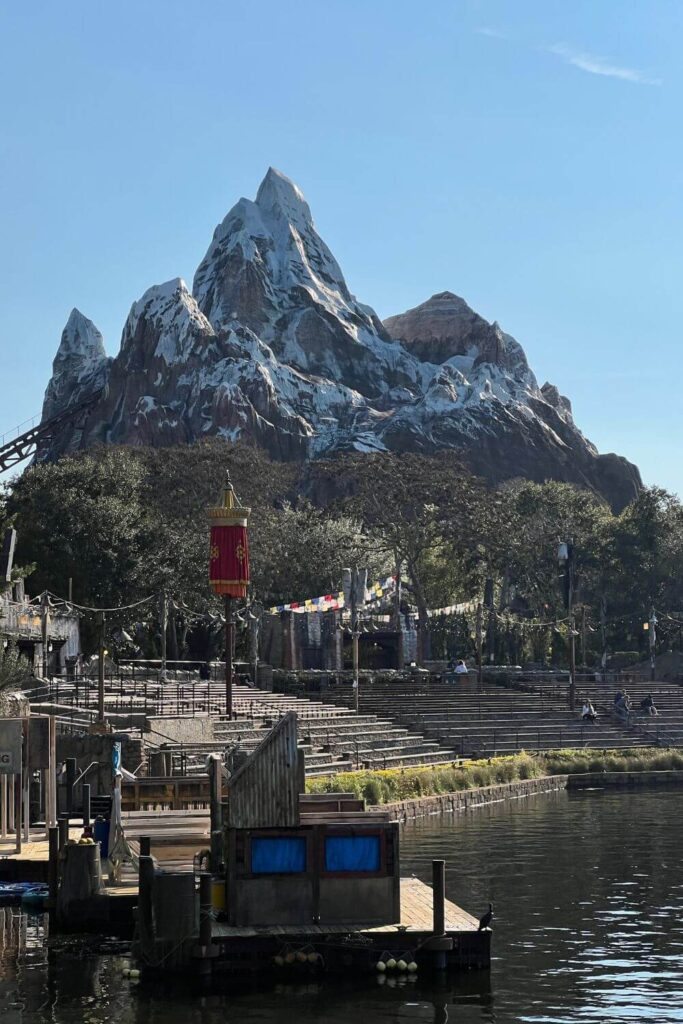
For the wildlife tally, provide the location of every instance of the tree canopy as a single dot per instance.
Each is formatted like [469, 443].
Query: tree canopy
[124, 523]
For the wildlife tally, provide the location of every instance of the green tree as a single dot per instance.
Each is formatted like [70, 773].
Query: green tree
[425, 514]
[14, 670]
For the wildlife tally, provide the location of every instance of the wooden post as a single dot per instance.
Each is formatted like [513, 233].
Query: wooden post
[440, 943]
[145, 912]
[26, 780]
[51, 796]
[215, 798]
[228, 654]
[70, 780]
[145, 846]
[53, 863]
[86, 804]
[3, 806]
[44, 798]
[63, 828]
[439, 896]
[205, 908]
[18, 793]
[81, 880]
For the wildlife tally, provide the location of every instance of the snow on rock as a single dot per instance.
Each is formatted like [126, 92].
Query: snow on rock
[272, 347]
[268, 269]
[80, 366]
[165, 324]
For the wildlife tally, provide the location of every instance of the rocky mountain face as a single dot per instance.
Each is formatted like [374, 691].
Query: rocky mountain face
[271, 347]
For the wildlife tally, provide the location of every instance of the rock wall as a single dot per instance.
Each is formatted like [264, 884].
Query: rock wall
[468, 799]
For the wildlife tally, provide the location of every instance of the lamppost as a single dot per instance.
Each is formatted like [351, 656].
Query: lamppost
[354, 583]
[565, 556]
[229, 567]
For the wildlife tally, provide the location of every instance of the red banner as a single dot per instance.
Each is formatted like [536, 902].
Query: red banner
[229, 560]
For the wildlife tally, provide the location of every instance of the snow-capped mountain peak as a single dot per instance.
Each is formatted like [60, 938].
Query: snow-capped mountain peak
[280, 199]
[79, 367]
[272, 347]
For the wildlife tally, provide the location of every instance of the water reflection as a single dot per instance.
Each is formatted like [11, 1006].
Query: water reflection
[588, 901]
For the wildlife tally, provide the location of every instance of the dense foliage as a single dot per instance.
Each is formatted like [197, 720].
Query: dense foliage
[14, 670]
[395, 784]
[124, 523]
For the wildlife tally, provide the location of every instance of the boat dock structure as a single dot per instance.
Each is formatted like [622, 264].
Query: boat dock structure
[270, 878]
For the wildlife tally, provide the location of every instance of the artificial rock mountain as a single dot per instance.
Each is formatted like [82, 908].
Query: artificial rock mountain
[270, 347]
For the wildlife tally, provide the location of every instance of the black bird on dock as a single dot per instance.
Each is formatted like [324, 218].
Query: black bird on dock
[485, 921]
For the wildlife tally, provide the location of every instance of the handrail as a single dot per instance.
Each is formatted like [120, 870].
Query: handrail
[85, 771]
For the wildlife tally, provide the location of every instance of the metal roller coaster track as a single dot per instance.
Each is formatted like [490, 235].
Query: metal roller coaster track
[34, 436]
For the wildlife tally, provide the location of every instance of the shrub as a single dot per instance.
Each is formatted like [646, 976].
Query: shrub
[392, 784]
[372, 792]
[15, 672]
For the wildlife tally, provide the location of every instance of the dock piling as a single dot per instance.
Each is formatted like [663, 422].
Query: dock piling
[439, 896]
[145, 846]
[440, 944]
[205, 909]
[145, 912]
[86, 805]
[70, 782]
[204, 952]
[53, 864]
[63, 831]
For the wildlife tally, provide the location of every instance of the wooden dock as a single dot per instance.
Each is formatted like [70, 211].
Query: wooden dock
[352, 946]
[416, 918]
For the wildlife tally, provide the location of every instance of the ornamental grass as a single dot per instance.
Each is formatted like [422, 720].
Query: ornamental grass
[389, 785]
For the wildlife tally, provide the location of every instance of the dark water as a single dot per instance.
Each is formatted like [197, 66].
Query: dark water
[588, 894]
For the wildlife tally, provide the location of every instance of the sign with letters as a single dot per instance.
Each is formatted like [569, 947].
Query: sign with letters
[10, 746]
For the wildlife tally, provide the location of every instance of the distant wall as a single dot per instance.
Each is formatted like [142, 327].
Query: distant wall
[407, 810]
[98, 748]
[625, 780]
[181, 729]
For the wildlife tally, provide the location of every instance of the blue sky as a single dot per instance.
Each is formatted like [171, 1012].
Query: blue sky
[527, 156]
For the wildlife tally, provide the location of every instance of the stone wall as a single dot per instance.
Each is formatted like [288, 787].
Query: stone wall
[466, 799]
[180, 729]
[88, 749]
[625, 780]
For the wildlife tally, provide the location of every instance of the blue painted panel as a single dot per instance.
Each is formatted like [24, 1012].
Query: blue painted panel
[352, 853]
[279, 855]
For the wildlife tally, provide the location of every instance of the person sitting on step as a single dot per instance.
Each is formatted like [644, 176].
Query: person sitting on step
[588, 712]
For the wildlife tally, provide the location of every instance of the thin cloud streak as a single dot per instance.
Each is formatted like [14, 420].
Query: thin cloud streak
[596, 65]
[592, 63]
[492, 33]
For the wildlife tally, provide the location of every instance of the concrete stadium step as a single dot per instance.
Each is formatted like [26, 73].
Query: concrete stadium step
[492, 718]
[414, 760]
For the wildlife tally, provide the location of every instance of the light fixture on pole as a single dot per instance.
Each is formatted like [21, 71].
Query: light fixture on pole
[229, 567]
[565, 557]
